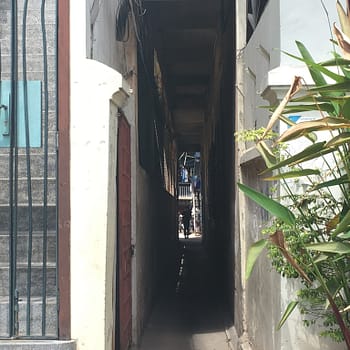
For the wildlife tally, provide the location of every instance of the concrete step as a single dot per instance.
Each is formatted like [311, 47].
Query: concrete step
[22, 247]
[38, 344]
[36, 317]
[22, 218]
[36, 280]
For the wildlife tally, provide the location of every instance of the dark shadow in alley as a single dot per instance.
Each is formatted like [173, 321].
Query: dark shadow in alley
[189, 314]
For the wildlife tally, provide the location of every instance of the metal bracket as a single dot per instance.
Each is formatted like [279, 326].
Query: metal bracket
[6, 122]
[132, 250]
[16, 312]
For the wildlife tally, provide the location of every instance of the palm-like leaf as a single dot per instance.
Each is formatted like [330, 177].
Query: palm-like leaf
[272, 206]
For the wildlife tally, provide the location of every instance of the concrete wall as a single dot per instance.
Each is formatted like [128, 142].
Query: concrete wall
[97, 91]
[98, 65]
[264, 71]
[217, 162]
[101, 43]
[156, 243]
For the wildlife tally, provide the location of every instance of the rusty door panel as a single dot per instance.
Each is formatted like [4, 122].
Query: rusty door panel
[124, 233]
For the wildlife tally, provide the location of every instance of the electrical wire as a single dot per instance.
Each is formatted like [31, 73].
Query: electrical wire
[148, 76]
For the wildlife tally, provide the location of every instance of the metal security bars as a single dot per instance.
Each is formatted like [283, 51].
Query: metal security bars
[28, 169]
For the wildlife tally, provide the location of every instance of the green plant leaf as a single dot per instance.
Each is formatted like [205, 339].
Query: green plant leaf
[311, 136]
[316, 69]
[327, 107]
[345, 236]
[338, 87]
[343, 224]
[290, 308]
[253, 253]
[315, 74]
[273, 207]
[333, 286]
[312, 98]
[269, 158]
[313, 156]
[312, 150]
[321, 258]
[345, 110]
[330, 247]
[303, 128]
[335, 182]
[338, 140]
[293, 174]
[337, 61]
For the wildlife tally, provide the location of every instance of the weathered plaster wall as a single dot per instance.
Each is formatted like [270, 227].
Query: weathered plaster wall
[93, 159]
[263, 70]
[261, 293]
[97, 91]
[155, 189]
[101, 43]
[217, 157]
[263, 288]
[145, 246]
[98, 66]
[239, 228]
[156, 243]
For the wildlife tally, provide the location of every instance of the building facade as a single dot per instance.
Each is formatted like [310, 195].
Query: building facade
[125, 87]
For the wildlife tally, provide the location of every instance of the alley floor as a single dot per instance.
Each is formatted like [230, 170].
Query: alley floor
[190, 314]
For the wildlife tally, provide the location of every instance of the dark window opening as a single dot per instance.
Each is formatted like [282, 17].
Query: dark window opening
[255, 9]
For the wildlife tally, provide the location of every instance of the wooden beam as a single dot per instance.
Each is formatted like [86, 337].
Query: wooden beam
[189, 131]
[191, 89]
[192, 2]
[189, 39]
[63, 87]
[181, 79]
[172, 55]
[190, 68]
[157, 1]
[190, 102]
[195, 115]
[168, 17]
[189, 147]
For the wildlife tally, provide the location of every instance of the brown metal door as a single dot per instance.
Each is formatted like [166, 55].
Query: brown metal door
[124, 234]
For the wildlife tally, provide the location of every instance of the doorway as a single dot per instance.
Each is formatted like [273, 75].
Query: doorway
[124, 252]
[189, 198]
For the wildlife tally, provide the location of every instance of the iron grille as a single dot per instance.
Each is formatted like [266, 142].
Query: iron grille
[28, 171]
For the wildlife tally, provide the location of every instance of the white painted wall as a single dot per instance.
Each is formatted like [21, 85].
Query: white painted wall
[306, 21]
[264, 71]
[101, 43]
[93, 156]
[97, 90]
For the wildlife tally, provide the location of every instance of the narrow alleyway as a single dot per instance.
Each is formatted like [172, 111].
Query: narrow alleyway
[189, 314]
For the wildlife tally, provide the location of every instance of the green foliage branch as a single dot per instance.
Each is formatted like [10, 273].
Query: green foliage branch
[309, 236]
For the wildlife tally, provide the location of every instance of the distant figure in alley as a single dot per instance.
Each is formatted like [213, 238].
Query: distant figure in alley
[186, 218]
